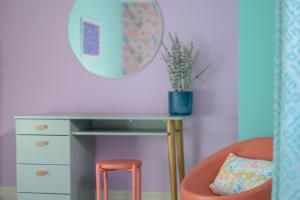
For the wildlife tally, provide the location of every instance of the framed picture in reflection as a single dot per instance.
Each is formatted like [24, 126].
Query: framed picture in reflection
[90, 38]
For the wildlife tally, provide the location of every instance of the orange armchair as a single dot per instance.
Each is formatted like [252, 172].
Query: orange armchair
[195, 186]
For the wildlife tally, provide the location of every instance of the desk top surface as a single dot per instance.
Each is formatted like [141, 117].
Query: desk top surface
[105, 117]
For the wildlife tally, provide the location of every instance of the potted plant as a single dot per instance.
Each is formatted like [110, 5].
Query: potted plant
[180, 59]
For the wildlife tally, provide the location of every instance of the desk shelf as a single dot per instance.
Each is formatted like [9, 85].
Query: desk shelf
[150, 132]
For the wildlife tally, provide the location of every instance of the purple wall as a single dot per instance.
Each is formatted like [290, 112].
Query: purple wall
[39, 75]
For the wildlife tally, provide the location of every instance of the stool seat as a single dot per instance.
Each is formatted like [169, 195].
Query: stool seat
[118, 164]
[105, 166]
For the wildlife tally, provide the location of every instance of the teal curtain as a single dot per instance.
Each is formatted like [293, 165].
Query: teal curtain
[286, 181]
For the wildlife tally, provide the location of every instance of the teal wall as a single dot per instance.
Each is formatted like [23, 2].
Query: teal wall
[109, 14]
[256, 61]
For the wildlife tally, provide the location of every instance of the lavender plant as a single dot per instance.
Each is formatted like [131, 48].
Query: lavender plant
[180, 59]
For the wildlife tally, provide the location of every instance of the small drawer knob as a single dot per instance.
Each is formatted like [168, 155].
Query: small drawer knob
[41, 127]
[42, 173]
[41, 143]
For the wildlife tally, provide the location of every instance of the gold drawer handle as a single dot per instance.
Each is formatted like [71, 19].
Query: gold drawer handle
[42, 173]
[41, 143]
[41, 127]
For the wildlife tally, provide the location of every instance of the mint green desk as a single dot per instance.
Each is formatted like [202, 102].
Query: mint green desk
[55, 154]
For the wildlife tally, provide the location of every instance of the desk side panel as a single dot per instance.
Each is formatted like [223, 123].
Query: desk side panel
[82, 166]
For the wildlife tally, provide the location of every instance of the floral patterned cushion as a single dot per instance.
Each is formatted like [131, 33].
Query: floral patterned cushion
[239, 174]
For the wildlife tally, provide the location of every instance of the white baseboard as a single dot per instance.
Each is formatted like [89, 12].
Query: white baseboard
[9, 193]
[119, 195]
[145, 195]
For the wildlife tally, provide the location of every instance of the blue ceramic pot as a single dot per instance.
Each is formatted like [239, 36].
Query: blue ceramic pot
[180, 103]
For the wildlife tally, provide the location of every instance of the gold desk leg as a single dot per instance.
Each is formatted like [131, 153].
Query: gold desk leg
[180, 149]
[172, 158]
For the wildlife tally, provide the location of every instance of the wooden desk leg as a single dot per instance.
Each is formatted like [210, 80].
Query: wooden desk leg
[180, 149]
[172, 158]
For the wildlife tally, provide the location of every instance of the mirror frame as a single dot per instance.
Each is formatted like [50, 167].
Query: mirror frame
[140, 68]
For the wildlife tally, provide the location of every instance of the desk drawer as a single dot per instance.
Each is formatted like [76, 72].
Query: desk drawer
[51, 179]
[42, 149]
[42, 127]
[29, 196]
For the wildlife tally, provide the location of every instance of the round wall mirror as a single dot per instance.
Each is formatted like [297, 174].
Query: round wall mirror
[115, 38]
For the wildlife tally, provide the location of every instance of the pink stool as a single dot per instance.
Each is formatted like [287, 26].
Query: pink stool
[133, 166]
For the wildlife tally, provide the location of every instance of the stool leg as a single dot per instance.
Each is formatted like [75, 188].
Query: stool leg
[105, 185]
[139, 177]
[98, 183]
[134, 182]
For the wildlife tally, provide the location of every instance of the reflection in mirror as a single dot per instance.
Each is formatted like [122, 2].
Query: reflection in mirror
[114, 38]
